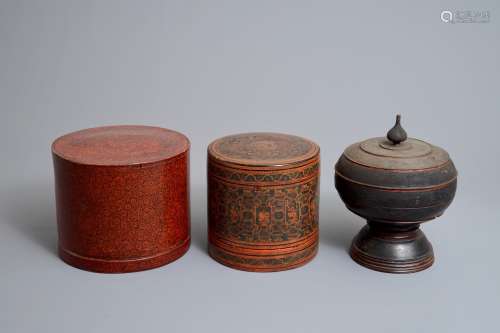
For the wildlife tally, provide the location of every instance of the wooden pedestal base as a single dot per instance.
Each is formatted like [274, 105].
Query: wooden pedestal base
[392, 248]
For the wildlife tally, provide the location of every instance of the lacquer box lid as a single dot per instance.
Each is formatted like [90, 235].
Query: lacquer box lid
[263, 151]
[120, 145]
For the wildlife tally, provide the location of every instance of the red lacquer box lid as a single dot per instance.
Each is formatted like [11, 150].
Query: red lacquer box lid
[120, 145]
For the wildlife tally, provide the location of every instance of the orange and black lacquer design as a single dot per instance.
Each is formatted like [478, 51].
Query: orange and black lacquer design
[263, 197]
[122, 197]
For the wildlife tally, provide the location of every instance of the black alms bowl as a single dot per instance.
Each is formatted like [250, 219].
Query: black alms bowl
[395, 196]
[395, 183]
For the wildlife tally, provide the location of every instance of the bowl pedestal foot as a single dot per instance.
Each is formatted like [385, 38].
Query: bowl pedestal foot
[392, 247]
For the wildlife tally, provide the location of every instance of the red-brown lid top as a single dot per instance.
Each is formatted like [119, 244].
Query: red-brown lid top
[120, 145]
[263, 150]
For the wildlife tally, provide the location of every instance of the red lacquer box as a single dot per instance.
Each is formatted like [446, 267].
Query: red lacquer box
[263, 200]
[122, 197]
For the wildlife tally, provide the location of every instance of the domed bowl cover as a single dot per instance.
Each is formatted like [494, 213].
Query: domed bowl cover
[396, 162]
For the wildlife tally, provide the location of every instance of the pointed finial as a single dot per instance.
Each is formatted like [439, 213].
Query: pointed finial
[397, 134]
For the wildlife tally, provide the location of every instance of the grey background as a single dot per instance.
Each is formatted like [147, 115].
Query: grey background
[335, 72]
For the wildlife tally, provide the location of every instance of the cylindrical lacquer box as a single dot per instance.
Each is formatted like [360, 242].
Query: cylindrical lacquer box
[122, 197]
[263, 200]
